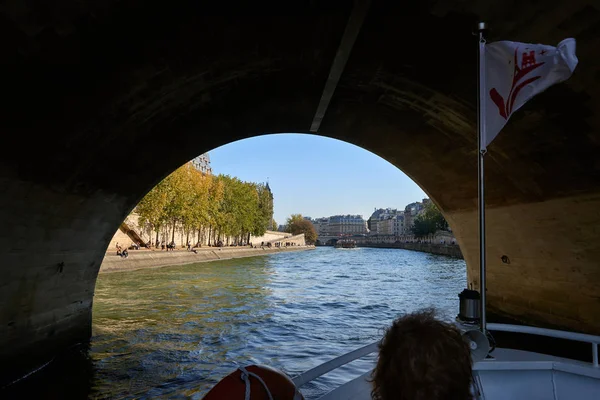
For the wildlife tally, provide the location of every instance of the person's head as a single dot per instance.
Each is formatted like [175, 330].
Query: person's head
[422, 358]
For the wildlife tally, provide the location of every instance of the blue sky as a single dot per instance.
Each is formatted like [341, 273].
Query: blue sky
[316, 176]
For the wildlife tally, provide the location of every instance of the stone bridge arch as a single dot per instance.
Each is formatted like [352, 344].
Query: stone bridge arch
[90, 87]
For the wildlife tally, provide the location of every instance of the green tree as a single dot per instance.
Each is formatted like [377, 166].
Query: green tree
[226, 222]
[265, 206]
[297, 225]
[430, 221]
[274, 225]
[248, 213]
[239, 211]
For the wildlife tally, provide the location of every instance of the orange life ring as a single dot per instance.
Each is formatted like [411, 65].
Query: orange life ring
[260, 380]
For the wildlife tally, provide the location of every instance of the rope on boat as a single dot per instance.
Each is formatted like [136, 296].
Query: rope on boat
[246, 378]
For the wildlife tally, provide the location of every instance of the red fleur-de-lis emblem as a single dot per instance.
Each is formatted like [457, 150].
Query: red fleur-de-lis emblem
[528, 64]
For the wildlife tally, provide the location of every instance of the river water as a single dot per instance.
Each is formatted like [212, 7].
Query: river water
[174, 332]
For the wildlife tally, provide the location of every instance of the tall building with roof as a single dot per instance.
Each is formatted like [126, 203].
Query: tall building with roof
[202, 164]
[347, 225]
[374, 218]
[392, 226]
[376, 223]
[410, 213]
[321, 225]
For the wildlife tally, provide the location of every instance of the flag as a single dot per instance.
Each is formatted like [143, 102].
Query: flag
[514, 73]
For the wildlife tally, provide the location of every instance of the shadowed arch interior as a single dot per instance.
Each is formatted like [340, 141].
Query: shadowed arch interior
[105, 99]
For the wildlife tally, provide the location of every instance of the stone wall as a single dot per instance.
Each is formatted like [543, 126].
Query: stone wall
[121, 238]
[269, 236]
[440, 237]
[433, 248]
[139, 259]
[550, 275]
[296, 240]
[49, 266]
[125, 117]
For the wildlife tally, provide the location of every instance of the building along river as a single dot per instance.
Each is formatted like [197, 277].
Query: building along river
[174, 332]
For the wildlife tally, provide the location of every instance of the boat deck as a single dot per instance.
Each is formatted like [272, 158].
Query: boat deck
[511, 374]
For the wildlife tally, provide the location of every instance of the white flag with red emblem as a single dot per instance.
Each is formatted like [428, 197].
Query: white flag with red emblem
[515, 72]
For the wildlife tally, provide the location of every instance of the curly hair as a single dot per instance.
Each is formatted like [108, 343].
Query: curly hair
[422, 358]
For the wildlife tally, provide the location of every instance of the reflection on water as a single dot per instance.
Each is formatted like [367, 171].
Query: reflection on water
[172, 326]
[174, 332]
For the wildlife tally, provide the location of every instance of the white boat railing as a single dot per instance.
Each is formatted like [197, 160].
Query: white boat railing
[324, 368]
[578, 337]
[337, 362]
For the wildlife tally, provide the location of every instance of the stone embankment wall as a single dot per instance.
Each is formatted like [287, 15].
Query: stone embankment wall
[269, 236]
[139, 259]
[433, 248]
[121, 238]
[296, 240]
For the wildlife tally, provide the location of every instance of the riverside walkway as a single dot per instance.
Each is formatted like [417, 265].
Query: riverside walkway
[150, 258]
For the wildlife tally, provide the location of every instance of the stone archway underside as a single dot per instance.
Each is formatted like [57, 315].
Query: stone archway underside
[103, 99]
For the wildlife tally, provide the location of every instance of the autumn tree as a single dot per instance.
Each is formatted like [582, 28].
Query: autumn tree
[198, 216]
[215, 196]
[151, 209]
[179, 195]
[291, 221]
[225, 206]
[297, 225]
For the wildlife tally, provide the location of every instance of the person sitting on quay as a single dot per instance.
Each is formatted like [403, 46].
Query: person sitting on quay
[421, 357]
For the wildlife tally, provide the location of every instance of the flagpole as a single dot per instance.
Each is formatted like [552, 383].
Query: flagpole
[481, 27]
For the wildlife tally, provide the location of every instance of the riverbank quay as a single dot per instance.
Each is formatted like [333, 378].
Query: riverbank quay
[451, 250]
[141, 259]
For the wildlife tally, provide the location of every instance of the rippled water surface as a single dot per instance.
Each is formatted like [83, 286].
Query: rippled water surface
[174, 332]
